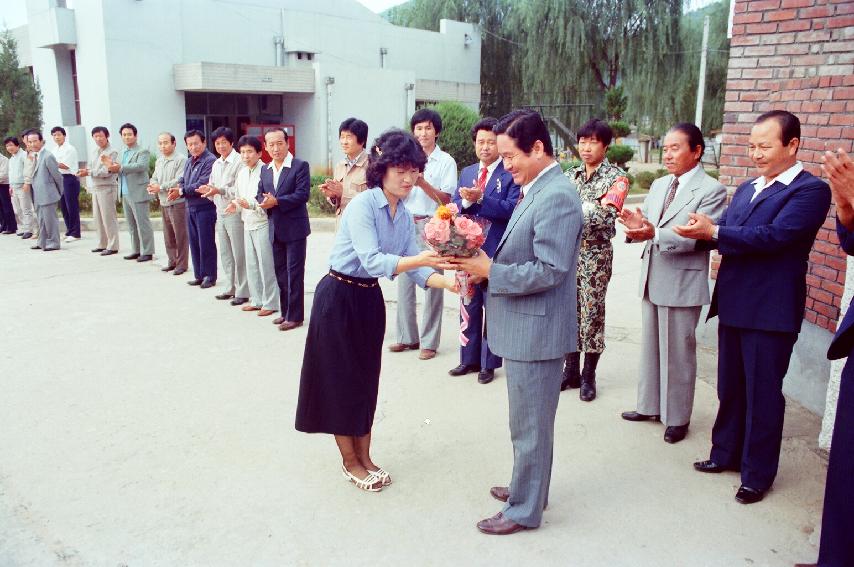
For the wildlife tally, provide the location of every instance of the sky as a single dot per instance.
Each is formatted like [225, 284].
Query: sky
[13, 13]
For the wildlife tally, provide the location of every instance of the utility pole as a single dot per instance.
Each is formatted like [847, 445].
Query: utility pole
[701, 86]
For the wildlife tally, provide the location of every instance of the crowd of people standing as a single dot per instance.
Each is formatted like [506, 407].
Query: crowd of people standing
[541, 276]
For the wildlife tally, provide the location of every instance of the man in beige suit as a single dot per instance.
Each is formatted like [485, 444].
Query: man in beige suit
[104, 187]
[674, 281]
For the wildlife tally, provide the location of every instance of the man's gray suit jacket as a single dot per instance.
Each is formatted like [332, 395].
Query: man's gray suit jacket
[531, 312]
[673, 272]
[135, 170]
[47, 180]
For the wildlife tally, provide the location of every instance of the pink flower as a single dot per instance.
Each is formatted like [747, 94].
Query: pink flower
[437, 231]
[453, 208]
[467, 227]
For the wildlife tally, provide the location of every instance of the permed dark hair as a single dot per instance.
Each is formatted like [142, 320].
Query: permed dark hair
[695, 136]
[56, 129]
[525, 127]
[426, 115]
[789, 124]
[12, 140]
[223, 132]
[356, 127]
[102, 129]
[598, 129]
[249, 141]
[487, 123]
[127, 125]
[393, 148]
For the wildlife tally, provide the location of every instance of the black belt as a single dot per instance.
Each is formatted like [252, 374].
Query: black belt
[352, 280]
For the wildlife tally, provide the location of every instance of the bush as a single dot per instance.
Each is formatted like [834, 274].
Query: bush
[661, 172]
[714, 173]
[631, 178]
[567, 165]
[457, 121]
[619, 155]
[620, 128]
[645, 178]
[318, 206]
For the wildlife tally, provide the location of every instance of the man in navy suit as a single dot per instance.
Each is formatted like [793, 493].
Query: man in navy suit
[764, 237]
[487, 191]
[283, 191]
[837, 522]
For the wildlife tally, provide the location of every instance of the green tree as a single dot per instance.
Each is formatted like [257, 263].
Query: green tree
[457, 122]
[20, 96]
[615, 103]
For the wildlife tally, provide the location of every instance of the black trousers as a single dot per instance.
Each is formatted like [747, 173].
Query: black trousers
[289, 259]
[7, 212]
[69, 204]
[837, 523]
[748, 430]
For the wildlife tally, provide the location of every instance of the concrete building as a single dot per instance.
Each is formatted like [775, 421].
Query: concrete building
[167, 65]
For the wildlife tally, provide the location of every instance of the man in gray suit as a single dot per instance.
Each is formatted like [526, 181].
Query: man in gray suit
[47, 190]
[674, 281]
[531, 312]
[133, 190]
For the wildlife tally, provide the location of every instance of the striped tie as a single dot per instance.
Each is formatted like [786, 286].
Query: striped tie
[670, 196]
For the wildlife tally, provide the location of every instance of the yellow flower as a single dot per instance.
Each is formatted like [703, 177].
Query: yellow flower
[443, 212]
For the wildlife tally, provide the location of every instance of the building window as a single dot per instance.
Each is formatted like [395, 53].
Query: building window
[72, 55]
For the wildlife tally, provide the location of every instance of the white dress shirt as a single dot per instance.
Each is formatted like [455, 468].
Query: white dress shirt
[247, 188]
[223, 177]
[490, 169]
[67, 154]
[441, 173]
[289, 159]
[786, 178]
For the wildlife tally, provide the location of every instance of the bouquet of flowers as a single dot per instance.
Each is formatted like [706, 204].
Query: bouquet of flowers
[453, 234]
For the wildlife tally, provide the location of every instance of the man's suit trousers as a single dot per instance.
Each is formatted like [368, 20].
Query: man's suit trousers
[668, 362]
[533, 390]
[106, 221]
[48, 226]
[201, 226]
[261, 269]
[748, 430]
[139, 226]
[175, 234]
[232, 254]
[8, 222]
[22, 202]
[69, 204]
[289, 260]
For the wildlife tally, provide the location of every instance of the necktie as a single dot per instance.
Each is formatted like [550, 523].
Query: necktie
[521, 196]
[481, 181]
[670, 195]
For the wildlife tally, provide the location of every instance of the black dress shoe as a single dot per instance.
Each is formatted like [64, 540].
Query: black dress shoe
[747, 495]
[224, 296]
[26, 235]
[675, 433]
[710, 467]
[194, 282]
[144, 258]
[179, 271]
[109, 252]
[485, 376]
[167, 269]
[635, 416]
[464, 369]
[98, 249]
[239, 301]
[278, 321]
[207, 282]
[36, 247]
[133, 256]
[51, 249]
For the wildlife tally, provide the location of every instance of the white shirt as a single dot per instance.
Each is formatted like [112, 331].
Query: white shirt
[16, 168]
[490, 169]
[529, 184]
[441, 173]
[67, 154]
[223, 177]
[786, 178]
[683, 180]
[289, 159]
[247, 188]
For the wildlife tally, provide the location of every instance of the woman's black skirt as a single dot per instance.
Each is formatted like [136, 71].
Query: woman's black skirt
[343, 353]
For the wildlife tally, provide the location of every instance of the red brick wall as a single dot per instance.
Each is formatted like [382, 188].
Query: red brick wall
[795, 55]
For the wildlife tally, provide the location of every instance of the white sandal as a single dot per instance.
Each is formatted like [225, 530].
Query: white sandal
[367, 484]
[381, 474]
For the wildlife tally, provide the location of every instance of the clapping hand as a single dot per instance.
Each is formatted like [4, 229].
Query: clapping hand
[173, 194]
[839, 170]
[332, 188]
[699, 227]
[269, 201]
[153, 188]
[638, 227]
[231, 208]
[471, 194]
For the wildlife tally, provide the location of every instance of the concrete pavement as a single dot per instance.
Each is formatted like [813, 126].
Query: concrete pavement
[142, 422]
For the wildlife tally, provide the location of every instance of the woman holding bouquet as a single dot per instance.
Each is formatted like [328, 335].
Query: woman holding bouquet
[343, 350]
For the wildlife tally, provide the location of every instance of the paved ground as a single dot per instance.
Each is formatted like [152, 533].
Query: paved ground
[144, 423]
